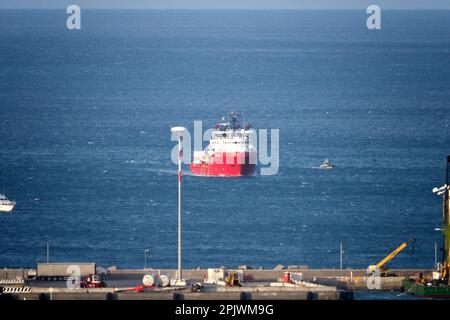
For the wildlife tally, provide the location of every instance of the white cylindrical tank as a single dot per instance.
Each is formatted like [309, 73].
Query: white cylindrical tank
[164, 280]
[148, 280]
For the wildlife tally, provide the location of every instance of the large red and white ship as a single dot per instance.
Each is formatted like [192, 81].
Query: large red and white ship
[230, 152]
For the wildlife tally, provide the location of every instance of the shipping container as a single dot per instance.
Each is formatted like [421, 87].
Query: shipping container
[63, 270]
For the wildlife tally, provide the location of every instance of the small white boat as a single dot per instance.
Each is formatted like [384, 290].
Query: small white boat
[6, 205]
[326, 165]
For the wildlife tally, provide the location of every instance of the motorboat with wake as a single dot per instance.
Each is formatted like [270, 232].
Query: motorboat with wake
[6, 205]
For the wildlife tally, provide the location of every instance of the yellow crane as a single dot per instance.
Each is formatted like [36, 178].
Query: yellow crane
[381, 265]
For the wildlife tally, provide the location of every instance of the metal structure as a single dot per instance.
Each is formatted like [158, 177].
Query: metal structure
[439, 286]
[444, 191]
[179, 131]
[145, 259]
[382, 264]
[48, 252]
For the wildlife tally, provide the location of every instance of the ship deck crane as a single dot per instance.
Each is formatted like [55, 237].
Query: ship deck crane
[382, 264]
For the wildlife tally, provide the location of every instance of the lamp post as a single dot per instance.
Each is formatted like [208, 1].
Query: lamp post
[179, 131]
[444, 191]
[145, 259]
[435, 256]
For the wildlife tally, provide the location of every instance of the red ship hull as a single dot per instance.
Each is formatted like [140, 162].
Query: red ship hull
[235, 164]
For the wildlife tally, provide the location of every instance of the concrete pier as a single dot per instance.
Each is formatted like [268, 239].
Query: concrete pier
[320, 284]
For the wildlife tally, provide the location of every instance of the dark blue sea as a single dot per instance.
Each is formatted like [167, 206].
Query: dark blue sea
[85, 143]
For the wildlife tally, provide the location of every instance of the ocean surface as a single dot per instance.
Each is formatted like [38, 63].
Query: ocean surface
[85, 147]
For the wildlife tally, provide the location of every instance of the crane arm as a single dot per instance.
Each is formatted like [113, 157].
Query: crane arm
[391, 256]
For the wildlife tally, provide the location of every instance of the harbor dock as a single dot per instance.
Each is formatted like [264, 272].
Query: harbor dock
[316, 284]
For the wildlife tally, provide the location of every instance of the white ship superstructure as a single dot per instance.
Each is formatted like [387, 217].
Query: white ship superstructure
[230, 151]
[6, 205]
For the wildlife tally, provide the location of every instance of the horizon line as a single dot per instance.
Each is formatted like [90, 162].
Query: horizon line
[225, 9]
